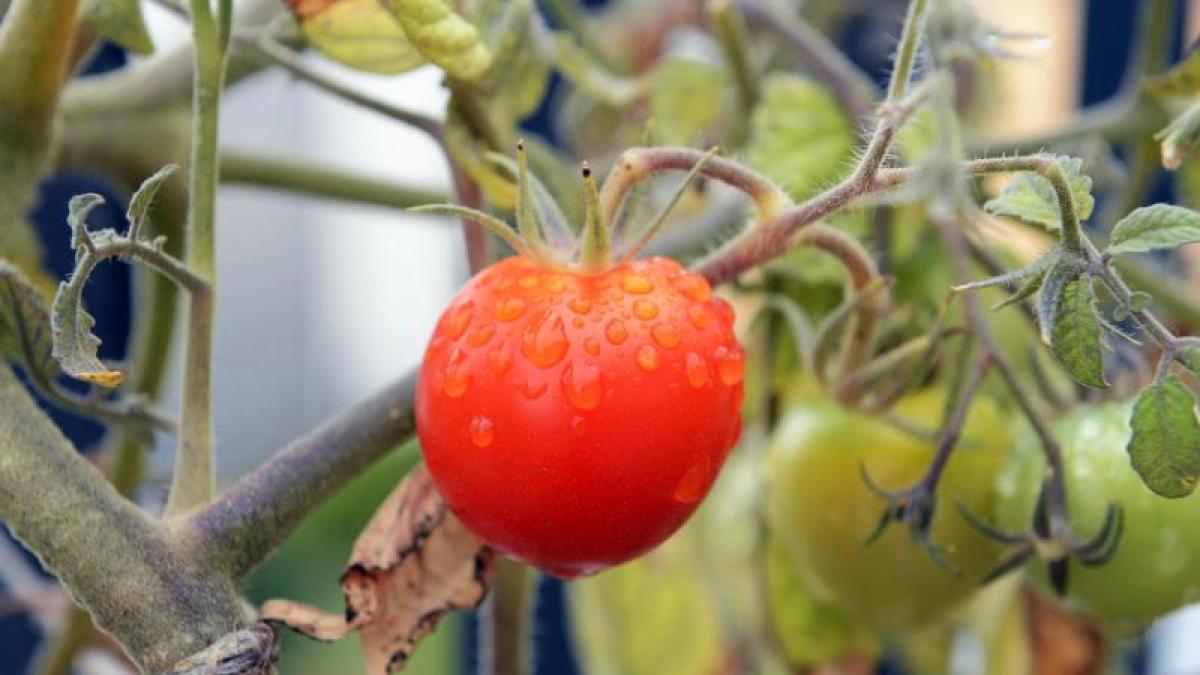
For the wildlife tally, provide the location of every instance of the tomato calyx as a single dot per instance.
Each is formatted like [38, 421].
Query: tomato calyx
[1051, 538]
[592, 252]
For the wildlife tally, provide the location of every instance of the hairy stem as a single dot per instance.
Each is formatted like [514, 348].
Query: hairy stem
[906, 51]
[246, 522]
[194, 476]
[111, 557]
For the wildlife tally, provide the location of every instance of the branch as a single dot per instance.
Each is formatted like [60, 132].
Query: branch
[244, 524]
[293, 175]
[193, 476]
[109, 555]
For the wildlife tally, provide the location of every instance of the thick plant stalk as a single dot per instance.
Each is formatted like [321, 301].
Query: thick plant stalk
[112, 559]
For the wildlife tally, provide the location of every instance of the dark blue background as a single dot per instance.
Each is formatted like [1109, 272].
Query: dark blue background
[1108, 34]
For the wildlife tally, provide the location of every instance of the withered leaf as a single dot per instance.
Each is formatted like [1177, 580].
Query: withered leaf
[413, 563]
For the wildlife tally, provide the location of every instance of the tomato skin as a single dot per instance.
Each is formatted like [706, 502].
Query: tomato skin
[1156, 568]
[823, 511]
[574, 421]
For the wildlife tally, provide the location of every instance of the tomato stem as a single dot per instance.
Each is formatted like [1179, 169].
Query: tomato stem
[527, 220]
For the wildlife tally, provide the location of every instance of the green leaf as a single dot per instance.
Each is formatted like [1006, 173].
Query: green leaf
[1030, 196]
[73, 344]
[24, 322]
[120, 21]
[799, 136]
[519, 75]
[1076, 337]
[361, 34]
[687, 98]
[1155, 227]
[442, 36]
[1050, 296]
[1165, 444]
[139, 204]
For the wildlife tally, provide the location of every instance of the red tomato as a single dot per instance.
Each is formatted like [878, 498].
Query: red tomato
[575, 420]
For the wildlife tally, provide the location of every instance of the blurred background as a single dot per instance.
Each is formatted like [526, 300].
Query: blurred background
[323, 302]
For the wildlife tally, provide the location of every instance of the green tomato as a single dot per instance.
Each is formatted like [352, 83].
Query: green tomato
[823, 511]
[1157, 564]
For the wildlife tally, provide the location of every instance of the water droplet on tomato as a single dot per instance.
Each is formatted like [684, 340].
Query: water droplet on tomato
[592, 346]
[544, 341]
[692, 486]
[693, 286]
[458, 318]
[665, 335]
[615, 332]
[581, 383]
[505, 284]
[528, 281]
[481, 431]
[577, 424]
[510, 308]
[699, 316]
[556, 284]
[647, 358]
[499, 359]
[636, 283]
[480, 334]
[731, 364]
[697, 370]
[580, 305]
[577, 322]
[533, 388]
[456, 380]
[645, 310]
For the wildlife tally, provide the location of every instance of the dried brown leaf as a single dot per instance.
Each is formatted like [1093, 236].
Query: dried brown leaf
[413, 563]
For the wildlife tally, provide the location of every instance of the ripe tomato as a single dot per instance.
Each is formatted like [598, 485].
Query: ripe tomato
[1157, 564]
[823, 511]
[574, 420]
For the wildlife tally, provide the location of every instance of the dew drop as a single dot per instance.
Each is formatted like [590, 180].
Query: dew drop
[731, 364]
[499, 359]
[456, 380]
[694, 483]
[636, 283]
[544, 341]
[481, 431]
[647, 358]
[556, 284]
[699, 316]
[580, 305]
[510, 308]
[581, 383]
[697, 371]
[615, 332]
[644, 309]
[528, 281]
[533, 388]
[694, 286]
[577, 424]
[480, 334]
[505, 284]
[665, 335]
[577, 322]
[592, 346]
[458, 318]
